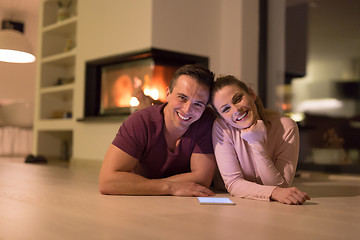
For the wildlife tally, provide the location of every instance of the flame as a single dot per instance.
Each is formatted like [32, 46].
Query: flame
[153, 93]
[134, 102]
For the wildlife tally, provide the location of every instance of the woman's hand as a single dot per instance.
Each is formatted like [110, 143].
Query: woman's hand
[289, 195]
[256, 133]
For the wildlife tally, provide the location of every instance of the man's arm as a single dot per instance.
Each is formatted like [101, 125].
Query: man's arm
[116, 178]
[202, 170]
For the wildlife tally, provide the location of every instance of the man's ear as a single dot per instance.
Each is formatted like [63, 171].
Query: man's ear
[167, 92]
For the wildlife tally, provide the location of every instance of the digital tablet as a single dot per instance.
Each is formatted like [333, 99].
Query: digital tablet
[215, 200]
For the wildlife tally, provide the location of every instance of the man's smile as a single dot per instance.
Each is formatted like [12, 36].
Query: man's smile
[183, 117]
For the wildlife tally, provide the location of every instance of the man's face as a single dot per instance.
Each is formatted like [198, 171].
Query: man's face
[186, 102]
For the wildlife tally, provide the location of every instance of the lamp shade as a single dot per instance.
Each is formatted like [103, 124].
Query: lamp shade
[14, 47]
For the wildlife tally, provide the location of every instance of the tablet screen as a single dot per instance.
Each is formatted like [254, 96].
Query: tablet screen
[215, 200]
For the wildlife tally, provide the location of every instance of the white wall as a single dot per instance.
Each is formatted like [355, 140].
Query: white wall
[217, 29]
[188, 26]
[105, 28]
[224, 30]
[17, 81]
[230, 38]
[205, 27]
[249, 39]
[239, 40]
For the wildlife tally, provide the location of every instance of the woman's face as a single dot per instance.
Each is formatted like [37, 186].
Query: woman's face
[236, 106]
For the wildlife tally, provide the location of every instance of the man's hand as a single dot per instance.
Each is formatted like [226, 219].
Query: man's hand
[289, 195]
[116, 177]
[189, 189]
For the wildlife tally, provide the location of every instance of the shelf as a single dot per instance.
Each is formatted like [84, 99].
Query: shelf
[55, 144]
[64, 58]
[56, 124]
[57, 89]
[66, 27]
[59, 37]
[54, 105]
[50, 12]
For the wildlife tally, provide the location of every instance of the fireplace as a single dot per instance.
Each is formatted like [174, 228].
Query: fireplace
[121, 84]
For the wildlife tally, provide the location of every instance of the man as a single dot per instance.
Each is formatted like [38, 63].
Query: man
[166, 149]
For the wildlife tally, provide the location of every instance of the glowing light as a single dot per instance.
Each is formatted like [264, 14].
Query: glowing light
[153, 93]
[321, 105]
[137, 82]
[14, 47]
[297, 117]
[147, 92]
[14, 56]
[134, 102]
[118, 102]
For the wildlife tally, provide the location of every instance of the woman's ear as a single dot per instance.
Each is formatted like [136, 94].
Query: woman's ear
[252, 94]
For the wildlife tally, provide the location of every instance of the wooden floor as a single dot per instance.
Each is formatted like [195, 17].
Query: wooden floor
[47, 202]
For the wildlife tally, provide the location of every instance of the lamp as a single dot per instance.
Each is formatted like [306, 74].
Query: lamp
[14, 47]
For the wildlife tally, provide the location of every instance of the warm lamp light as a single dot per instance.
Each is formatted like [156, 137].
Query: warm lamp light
[14, 47]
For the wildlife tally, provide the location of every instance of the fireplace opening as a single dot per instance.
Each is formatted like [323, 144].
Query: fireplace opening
[133, 85]
[128, 82]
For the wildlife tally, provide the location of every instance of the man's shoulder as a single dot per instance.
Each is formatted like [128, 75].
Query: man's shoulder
[204, 124]
[208, 115]
[151, 113]
[140, 126]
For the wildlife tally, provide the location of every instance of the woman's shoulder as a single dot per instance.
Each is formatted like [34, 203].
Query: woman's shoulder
[220, 126]
[278, 120]
[221, 123]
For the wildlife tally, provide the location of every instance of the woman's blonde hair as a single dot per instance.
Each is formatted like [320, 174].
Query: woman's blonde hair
[227, 80]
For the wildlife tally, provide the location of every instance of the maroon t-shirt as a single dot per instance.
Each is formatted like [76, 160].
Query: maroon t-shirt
[142, 136]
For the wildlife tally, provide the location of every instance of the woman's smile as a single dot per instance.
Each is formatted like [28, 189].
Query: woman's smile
[241, 117]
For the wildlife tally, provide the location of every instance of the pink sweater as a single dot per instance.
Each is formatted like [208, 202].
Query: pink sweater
[253, 162]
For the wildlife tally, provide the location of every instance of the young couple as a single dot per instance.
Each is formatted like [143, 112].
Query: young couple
[169, 149]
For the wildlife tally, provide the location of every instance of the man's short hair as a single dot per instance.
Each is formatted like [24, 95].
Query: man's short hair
[201, 74]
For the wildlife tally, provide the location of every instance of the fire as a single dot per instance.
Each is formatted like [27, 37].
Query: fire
[153, 93]
[134, 102]
[137, 86]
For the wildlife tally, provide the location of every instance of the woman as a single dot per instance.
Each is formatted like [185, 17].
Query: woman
[256, 150]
